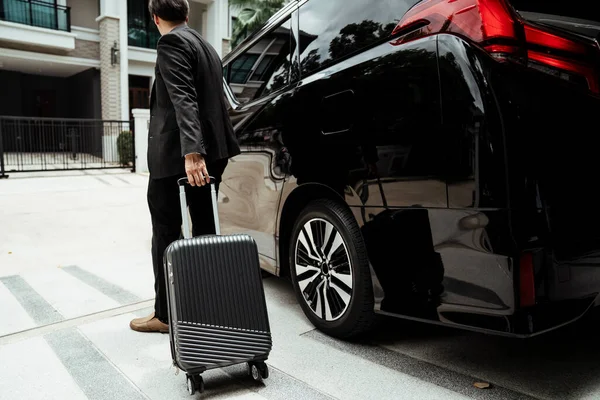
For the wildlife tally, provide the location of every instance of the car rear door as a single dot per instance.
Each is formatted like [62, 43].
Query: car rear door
[369, 126]
[559, 142]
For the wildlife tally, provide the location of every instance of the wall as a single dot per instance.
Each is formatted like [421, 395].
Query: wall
[76, 97]
[85, 103]
[84, 94]
[84, 13]
[86, 49]
[225, 47]
[196, 21]
[32, 83]
[217, 27]
[83, 49]
[141, 69]
[10, 95]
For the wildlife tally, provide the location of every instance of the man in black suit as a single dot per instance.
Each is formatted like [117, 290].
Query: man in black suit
[190, 135]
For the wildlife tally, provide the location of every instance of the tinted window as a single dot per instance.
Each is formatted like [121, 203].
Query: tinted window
[265, 67]
[332, 29]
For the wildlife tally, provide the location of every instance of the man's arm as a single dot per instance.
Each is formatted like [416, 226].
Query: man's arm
[176, 70]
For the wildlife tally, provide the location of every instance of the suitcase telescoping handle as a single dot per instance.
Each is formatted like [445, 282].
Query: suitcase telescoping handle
[184, 215]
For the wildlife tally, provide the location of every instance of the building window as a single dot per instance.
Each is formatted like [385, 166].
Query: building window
[141, 30]
[41, 13]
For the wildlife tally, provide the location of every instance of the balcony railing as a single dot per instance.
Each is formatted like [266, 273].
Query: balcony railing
[36, 13]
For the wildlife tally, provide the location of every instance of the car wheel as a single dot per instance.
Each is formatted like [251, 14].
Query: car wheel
[330, 270]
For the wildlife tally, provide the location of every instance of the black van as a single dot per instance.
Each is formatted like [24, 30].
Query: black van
[433, 160]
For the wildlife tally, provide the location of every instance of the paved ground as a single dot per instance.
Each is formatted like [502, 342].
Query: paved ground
[75, 268]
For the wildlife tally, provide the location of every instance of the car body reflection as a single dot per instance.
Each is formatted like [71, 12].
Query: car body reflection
[435, 149]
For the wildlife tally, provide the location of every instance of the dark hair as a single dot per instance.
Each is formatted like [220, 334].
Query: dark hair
[170, 10]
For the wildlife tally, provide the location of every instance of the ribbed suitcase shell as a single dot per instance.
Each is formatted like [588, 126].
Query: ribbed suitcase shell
[216, 302]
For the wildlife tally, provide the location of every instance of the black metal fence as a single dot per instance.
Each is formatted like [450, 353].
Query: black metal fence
[36, 13]
[47, 144]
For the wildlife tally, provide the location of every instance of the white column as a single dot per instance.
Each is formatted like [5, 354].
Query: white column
[124, 60]
[225, 18]
[110, 8]
[142, 120]
[214, 26]
[225, 22]
[204, 25]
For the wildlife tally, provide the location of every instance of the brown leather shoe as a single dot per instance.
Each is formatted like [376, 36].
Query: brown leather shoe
[149, 324]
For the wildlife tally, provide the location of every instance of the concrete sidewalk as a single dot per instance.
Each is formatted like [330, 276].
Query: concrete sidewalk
[75, 268]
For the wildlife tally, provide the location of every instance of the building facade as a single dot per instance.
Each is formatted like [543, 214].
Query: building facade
[87, 59]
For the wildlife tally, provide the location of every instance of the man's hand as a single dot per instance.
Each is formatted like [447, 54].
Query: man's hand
[195, 168]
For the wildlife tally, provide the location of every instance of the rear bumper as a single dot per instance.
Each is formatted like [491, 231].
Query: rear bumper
[544, 318]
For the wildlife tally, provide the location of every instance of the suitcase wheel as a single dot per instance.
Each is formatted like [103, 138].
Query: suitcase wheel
[258, 371]
[195, 382]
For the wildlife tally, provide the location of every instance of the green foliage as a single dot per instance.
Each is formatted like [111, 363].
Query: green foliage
[125, 147]
[253, 14]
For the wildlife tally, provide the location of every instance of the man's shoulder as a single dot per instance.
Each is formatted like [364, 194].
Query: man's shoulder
[190, 40]
[186, 33]
[187, 37]
[177, 37]
[173, 38]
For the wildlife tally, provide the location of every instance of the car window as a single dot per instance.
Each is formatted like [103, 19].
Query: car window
[333, 29]
[265, 67]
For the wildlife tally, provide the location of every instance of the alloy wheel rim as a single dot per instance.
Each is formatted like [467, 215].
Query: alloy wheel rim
[323, 269]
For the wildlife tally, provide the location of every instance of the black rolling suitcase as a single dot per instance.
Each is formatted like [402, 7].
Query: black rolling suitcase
[216, 302]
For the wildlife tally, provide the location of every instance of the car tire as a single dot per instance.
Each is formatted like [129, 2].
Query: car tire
[333, 281]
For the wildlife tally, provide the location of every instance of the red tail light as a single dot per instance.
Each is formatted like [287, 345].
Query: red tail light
[562, 55]
[526, 281]
[496, 27]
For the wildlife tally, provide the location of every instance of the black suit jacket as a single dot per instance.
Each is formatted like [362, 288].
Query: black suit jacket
[188, 110]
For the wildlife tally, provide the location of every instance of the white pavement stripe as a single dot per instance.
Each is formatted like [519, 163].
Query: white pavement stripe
[38, 309]
[132, 270]
[109, 289]
[116, 180]
[13, 316]
[122, 179]
[103, 181]
[146, 360]
[95, 375]
[74, 322]
[31, 370]
[144, 357]
[67, 294]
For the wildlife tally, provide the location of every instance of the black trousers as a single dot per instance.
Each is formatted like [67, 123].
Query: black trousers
[165, 211]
